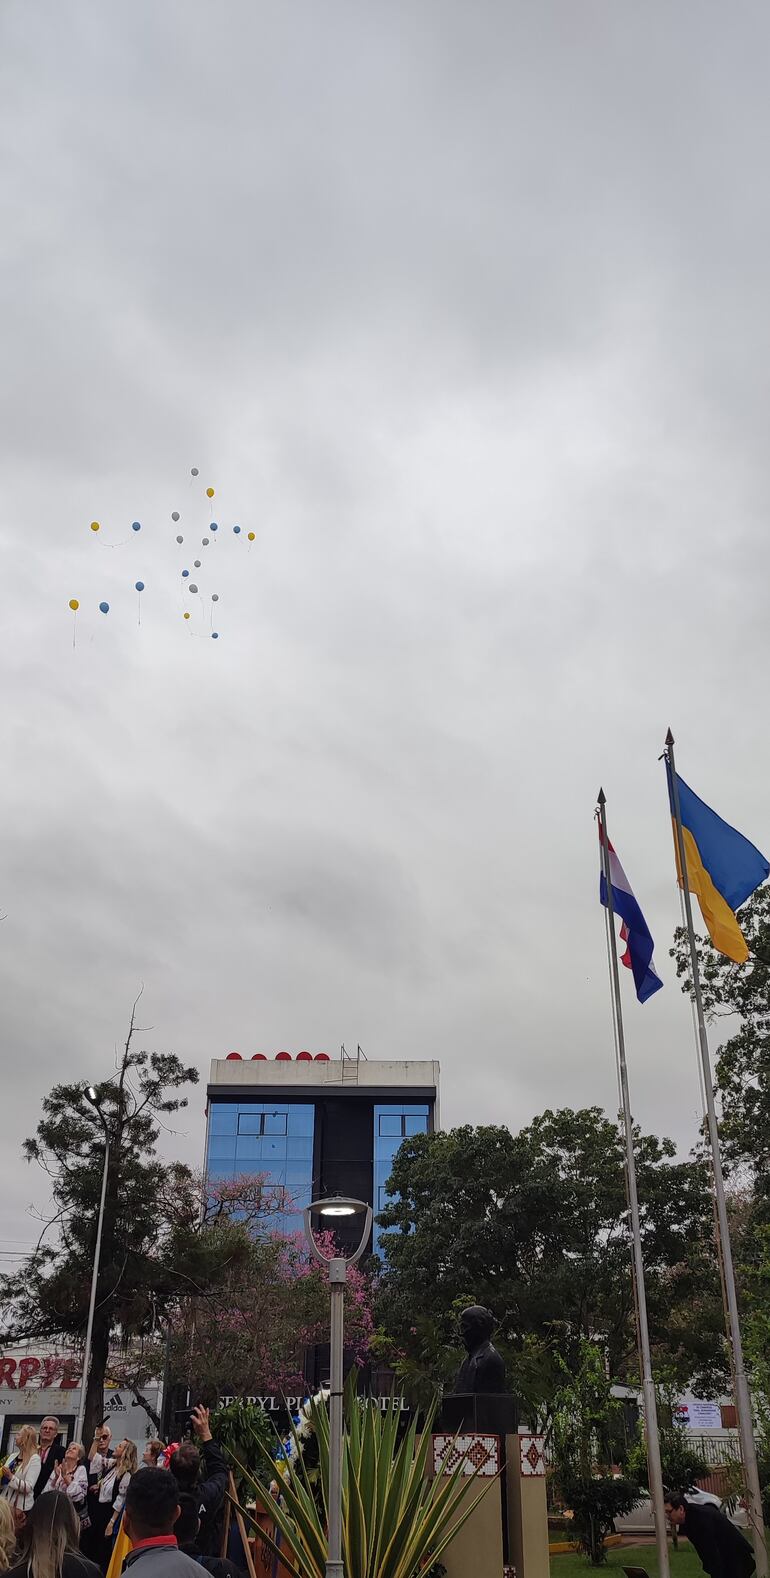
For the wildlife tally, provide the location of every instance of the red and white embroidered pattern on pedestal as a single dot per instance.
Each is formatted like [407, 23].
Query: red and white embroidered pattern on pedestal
[532, 1449]
[478, 1454]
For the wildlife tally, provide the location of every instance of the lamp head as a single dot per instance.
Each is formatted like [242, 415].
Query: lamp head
[91, 1094]
[335, 1206]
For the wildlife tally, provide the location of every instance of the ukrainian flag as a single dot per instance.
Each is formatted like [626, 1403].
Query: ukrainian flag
[723, 868]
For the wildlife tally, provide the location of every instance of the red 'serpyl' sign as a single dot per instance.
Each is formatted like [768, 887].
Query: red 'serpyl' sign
[39, 1374]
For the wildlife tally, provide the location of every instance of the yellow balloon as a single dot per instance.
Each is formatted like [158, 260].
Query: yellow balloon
[252, 535]
[94, 525]
[187, 616]
[74, 604]
[209, 493]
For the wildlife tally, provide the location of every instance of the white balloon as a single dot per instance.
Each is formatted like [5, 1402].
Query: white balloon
[194, 471]
[180, 539]
[205, 542]
[193, 587]
[196, 564]
[215, 597]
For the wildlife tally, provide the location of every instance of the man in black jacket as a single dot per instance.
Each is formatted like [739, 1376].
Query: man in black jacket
[723, 1550]
[187, 1531]
[203, 1472]
[51, 1451]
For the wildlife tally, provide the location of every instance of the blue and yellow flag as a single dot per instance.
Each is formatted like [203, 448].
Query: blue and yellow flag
[723, 868]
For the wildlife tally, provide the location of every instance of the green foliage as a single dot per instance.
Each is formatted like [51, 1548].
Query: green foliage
[153, 1246]
[596, 1501]
[585, 1415]
[681, 1463]
[742, 1073]
[243, 1431]
[535, 1226]
[396, 1522]
[743, 1062]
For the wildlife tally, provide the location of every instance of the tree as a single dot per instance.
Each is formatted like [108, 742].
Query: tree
[535, 1225]
[247, 1335]
[585, 1417]
[681, 1462]
[742, 1084]
[160, 1234]
[743, 1061]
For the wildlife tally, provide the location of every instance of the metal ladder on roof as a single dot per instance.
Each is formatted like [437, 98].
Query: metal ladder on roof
[350, 1065]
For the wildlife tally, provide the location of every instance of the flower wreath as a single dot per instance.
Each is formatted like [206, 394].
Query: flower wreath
[303, 1435]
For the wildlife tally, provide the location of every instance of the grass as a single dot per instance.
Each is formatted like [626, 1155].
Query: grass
[684, 1562]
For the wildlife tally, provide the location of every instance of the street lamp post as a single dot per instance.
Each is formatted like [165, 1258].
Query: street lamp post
[91, 1097]
[328, 1210]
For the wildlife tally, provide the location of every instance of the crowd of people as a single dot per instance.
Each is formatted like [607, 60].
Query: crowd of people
[70, 1513]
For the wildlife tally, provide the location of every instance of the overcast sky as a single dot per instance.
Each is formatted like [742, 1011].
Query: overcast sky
[463, 310]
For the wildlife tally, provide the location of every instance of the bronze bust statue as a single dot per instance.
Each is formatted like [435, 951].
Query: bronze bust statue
[483, 1370]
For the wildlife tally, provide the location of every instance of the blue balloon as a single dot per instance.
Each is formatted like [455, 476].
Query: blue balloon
[104, 608]
[213, 526]
[140, 586]
[185, 573]
[215, 635]
[236, 529]
[136, 526]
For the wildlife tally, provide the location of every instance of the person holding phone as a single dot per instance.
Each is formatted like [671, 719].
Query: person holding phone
[202, 1471]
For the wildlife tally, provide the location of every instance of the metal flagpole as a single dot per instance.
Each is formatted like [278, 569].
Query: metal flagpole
[742, 1395]
[654, 1469]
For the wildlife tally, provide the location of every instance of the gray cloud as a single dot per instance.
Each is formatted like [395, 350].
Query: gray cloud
[464, 313]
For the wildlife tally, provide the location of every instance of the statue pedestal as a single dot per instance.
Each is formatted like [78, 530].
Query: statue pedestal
[508, 1530]
[527, 1506]
[494, 1412]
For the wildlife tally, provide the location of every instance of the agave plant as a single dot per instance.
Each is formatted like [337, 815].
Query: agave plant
[395, 1521]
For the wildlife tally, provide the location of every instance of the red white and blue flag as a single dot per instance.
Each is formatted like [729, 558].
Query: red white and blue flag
[634, 932]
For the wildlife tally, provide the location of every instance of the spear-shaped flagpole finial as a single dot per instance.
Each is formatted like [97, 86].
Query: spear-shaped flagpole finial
[669, 739]
[601, 798]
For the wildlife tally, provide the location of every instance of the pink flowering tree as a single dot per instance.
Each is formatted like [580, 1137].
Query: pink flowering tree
[249, 1335]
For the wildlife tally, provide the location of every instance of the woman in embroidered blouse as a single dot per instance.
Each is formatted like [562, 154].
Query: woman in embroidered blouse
[71, 1475]
[117, 1482]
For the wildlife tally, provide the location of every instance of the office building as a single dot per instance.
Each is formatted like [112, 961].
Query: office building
[315, 1125]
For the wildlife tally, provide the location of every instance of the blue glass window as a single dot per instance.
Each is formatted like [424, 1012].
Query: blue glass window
[223, 1119]
[392, 1125]
[273, 1140]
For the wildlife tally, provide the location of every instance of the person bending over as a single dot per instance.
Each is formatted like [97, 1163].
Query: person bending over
[723, 1550]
